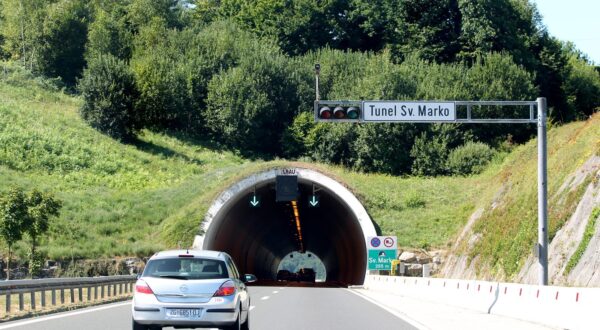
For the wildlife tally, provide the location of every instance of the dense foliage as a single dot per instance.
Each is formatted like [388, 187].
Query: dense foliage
[108, 88]
[240, 72]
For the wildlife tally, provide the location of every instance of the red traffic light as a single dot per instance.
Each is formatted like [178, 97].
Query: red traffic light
[325, 113]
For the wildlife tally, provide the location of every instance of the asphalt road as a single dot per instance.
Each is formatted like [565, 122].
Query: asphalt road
[273, 308]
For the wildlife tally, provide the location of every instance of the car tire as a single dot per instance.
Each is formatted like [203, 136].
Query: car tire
[137, 326]
[238, 323]
[246, 325]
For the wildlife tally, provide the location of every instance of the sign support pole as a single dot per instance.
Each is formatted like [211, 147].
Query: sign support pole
[542, 192]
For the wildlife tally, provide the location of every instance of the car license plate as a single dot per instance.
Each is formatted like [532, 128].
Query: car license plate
[184, 313]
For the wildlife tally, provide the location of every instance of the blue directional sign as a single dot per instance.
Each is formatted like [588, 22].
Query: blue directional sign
[254, 201]
[313, 201]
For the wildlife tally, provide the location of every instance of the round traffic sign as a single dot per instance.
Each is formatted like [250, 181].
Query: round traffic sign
[388, 242]
[375, 242]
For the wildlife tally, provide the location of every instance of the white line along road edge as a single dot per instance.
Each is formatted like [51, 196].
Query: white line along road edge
[61, 315]
[397, 314]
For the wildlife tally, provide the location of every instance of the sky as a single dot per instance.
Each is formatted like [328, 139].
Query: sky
[577, 21]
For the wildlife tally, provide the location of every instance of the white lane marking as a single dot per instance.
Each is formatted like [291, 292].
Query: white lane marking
[397, 314]
[264, 298]
[58, 316]
[251, 308]
[275, 292]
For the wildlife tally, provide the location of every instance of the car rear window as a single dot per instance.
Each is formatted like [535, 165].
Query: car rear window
[186, 268]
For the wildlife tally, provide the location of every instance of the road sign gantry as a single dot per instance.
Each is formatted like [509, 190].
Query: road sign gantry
[425, 111]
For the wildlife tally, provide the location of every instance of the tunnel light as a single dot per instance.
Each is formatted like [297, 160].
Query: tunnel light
[298, 227]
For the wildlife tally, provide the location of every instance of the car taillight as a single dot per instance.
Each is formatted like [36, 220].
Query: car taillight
[226, 289]
[143, 287]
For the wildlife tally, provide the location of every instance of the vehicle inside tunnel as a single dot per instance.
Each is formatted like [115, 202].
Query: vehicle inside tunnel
[259, 233]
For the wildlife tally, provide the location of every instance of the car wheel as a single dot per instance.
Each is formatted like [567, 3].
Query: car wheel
[137, 326]
[237, 325]
[246, 325]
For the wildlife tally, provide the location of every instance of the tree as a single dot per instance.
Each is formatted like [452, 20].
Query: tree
[429, 29]
[22, 27]
[63, 43]
[297, 26]
[13, 214]
[40, 208]
[249, 106]
[108, 34]
[108, 89]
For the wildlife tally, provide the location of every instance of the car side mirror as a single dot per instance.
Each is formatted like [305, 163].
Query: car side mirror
[249, 278]
[137, 277]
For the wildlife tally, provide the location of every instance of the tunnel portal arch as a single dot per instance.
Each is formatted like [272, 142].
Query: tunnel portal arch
[259, 238]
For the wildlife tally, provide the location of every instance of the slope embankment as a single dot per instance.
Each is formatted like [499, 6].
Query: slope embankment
[498, 241]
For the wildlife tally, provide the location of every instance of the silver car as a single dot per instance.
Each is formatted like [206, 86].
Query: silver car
[191, 289]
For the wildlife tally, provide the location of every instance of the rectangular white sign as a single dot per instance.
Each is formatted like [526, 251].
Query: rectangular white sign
[409, 111]
[382, 243]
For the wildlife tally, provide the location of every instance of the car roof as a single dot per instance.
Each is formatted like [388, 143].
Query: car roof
[196, 253]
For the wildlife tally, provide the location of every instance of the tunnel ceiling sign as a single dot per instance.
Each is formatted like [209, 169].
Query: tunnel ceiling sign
[286, 188]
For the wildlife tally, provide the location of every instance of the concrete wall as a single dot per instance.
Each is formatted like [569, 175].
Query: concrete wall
[562, 307]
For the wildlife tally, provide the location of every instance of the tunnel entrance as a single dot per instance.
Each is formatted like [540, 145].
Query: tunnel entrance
[295, 261]
[259, 238]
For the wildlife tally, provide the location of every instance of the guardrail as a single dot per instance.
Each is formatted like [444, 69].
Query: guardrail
[27, 292]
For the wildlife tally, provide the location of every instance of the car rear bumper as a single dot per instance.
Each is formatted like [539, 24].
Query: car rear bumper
[214, 317]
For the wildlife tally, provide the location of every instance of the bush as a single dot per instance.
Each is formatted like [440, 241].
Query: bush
[429, 154]
[108, 90]
[249, 106]
[333, 143]
[470, 158]
[294, 138]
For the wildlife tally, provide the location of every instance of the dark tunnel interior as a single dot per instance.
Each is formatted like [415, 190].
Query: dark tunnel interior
[258, 238]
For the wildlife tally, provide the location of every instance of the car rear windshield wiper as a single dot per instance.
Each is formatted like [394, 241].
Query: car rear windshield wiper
[179, 277]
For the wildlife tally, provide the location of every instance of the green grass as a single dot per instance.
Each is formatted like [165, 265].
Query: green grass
[590, 229]
[509, 231]
[125, 200]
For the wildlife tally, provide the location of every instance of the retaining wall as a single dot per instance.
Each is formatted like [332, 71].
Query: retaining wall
[562, 307]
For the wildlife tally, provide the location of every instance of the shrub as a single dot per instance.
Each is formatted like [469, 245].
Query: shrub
[470, 158]
[249, 106]
[415, 200]
[429, 154]
[294, 138]
[333, 143]
[108, 90]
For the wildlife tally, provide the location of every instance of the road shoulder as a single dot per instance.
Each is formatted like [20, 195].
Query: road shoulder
[427, 315]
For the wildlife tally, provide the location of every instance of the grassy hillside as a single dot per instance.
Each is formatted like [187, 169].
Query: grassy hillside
[134, 199]
[507, 233]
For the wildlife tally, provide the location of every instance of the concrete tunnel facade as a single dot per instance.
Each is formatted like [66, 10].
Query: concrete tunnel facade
[258, 238]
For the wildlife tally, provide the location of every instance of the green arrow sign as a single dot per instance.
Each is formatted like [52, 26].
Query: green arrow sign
[254, 201]
[313, 201]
